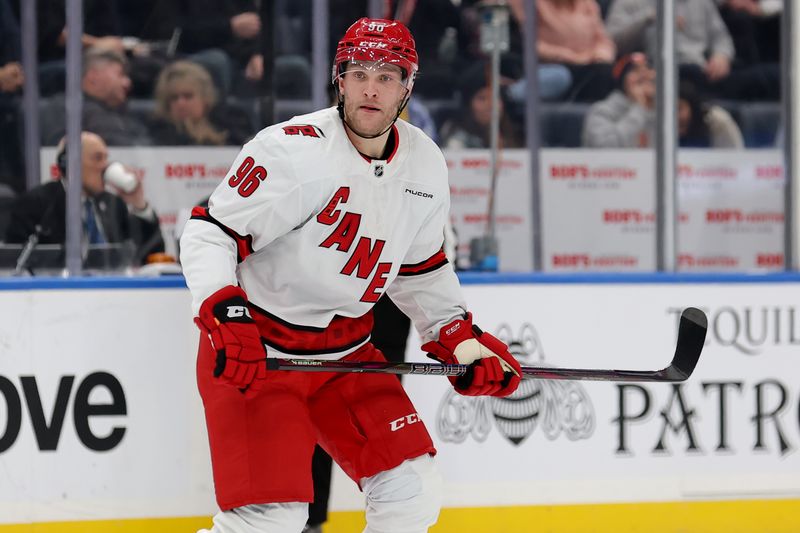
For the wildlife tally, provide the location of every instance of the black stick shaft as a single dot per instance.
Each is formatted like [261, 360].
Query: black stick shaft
[691, 337]
[435, 369]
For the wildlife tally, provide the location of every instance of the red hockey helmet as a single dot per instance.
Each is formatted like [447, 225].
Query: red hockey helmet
[382, 40]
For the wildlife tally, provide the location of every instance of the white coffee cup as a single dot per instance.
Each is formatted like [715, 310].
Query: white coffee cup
[118, 176]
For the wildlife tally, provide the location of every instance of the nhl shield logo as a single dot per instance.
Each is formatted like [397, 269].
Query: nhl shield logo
[378, 171]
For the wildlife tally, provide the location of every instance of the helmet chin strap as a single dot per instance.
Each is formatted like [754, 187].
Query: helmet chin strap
[340, 108]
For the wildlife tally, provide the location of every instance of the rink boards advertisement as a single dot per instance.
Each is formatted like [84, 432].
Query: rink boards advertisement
[598, 210]
[597, 206]
[176, 179]
[100, 420]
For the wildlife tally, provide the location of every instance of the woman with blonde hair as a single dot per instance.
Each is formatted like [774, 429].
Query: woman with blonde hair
[188, 111]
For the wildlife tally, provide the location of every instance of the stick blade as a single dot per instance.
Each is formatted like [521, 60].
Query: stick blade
[691, 338]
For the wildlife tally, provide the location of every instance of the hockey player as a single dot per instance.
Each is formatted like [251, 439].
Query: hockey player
[319, 216]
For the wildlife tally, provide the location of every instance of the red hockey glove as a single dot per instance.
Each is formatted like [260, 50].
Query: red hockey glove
[241, 356]
[493, 371]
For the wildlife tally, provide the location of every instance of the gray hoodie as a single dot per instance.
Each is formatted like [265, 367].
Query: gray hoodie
[618, 122]
[701, 32]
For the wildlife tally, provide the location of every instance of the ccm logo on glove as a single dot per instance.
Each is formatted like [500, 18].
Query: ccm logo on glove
[238, 311]
[241, 356]
[453, 329]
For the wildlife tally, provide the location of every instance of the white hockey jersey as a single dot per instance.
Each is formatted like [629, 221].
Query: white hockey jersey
[311, 229]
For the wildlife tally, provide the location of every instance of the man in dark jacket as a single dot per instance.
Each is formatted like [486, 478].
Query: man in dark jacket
[107, 218]
[105, 86]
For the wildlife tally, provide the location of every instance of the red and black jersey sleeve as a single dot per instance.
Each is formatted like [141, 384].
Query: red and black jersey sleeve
[434, 262]
[244, 243]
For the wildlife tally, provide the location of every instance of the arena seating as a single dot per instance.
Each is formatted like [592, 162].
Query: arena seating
[560, 122]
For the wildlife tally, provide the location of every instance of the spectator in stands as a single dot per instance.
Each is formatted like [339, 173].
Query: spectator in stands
[704, 47]
[440, 40]
[470, 129]
[11, 77]
[702, 41]
[571, 33]
[626, 118]
[418, 114]
[188, 111]
[755, 27]
[101, 29]
[105, 85]
[107, 217]
[11, 80]
[223, 36]
[553, 79]
[704, 125]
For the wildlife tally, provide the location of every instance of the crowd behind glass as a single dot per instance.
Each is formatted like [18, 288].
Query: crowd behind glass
[192, 73]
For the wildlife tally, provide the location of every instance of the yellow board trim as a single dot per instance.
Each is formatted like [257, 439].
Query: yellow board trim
[741, 516]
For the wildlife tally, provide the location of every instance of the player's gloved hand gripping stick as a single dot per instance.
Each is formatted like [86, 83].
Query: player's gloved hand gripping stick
[241, 356]
[491, 369]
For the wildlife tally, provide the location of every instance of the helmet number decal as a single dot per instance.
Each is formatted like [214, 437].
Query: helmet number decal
[247, 177]
[376, 26]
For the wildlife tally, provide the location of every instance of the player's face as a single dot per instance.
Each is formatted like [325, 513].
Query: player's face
[372, 94]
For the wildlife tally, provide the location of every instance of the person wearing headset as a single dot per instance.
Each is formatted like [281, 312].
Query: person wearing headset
[108, 218]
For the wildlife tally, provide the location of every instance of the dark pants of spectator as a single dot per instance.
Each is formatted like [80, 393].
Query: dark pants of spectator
[755, 82]
[756, 39]
[12, 169]
[591, 82]
[389, 335]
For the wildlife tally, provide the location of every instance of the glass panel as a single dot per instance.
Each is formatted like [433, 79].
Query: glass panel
[464, 115]
[730, 175]
[174, 91]
[597, 158]
[160, 80]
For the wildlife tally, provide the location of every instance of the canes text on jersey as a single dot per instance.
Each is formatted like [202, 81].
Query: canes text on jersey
[363, 260]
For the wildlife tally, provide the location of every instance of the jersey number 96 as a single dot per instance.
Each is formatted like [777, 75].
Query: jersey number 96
[247, 177]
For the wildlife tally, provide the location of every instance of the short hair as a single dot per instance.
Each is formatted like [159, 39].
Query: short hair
[95, 57]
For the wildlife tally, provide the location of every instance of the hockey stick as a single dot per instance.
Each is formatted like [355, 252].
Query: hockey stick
[691, 337]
